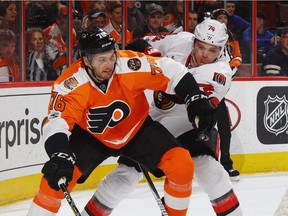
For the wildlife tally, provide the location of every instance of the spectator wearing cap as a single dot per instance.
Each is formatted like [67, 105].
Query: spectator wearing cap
[114, 26]
[9, 68]
[264, 38]
[275, 62]
[95, 18]
[232, 46]
[57, 43]
[154, 19]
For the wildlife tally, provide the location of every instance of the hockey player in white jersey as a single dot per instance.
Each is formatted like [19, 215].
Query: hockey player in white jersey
[203, 54]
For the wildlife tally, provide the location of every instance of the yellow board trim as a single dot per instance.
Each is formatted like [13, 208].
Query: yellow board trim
[25, 187]
[261, 162]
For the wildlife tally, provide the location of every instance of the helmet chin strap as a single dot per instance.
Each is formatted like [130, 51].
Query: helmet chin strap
[89, 67]
[193, 60]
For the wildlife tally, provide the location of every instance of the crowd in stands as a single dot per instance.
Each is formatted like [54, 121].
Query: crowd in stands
[48, 31]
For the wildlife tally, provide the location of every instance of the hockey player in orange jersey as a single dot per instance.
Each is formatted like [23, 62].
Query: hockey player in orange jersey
[202, 53]
[98, 109]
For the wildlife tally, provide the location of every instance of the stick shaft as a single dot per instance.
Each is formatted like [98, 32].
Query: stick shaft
[69, 199]
[154, 191]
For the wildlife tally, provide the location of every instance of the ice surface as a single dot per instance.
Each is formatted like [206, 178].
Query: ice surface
[259, 195]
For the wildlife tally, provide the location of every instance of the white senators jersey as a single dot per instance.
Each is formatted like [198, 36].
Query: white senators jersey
[115, 114]
[176, 46]
[214, 79]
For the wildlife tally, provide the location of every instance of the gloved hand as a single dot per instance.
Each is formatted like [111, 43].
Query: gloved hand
[60, 165]
[141, 45]
[201, 113]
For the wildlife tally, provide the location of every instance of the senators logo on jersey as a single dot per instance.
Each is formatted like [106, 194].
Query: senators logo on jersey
[100, 118]
[219, 78]
[162, 101]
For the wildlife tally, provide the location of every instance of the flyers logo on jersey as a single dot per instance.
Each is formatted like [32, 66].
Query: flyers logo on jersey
[219, 78]
[134, 64]
[102, 117]
[70, 83]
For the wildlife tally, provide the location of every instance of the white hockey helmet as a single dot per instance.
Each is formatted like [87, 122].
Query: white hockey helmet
[212, 32]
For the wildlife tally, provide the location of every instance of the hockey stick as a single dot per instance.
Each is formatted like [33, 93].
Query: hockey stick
[154, 191]
[68, 196]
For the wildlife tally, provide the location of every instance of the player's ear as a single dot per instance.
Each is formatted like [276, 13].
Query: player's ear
[86, 61]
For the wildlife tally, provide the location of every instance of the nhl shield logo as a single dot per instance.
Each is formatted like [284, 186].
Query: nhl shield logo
[276, 114]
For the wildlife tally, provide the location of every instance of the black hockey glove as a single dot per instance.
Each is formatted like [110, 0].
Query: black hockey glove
[60, 165]
[201, 113]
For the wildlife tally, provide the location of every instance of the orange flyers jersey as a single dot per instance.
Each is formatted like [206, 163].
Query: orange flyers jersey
[169, 22]
[113, 116]
[53, 35]
[9, 71]
[116, 35]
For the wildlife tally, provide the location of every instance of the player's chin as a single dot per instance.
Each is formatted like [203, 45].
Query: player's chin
[107, 75]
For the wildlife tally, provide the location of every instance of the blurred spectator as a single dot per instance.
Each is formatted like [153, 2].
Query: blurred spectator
[264, 38]
[205, 7]
[42, 13]
[9, 68]
[192, 20]
[77, 20]
[236, 24]
[276, 61]
[85, 6]
[8, 14]
[95, 18]
[38, 67]
[114, 26]
[135, 16]
[232, 44]
[154, 19]
[98, 4]
[56, 37]
[174, 15]
[37, 15]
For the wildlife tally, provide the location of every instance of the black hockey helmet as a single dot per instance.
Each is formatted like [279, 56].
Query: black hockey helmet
[96, 40]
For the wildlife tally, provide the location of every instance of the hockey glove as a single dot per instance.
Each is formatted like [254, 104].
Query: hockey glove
[60, 165]
[201, 113]
[141, 45]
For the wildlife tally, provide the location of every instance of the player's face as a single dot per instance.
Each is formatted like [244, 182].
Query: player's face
[103, 65]
[205, 53]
